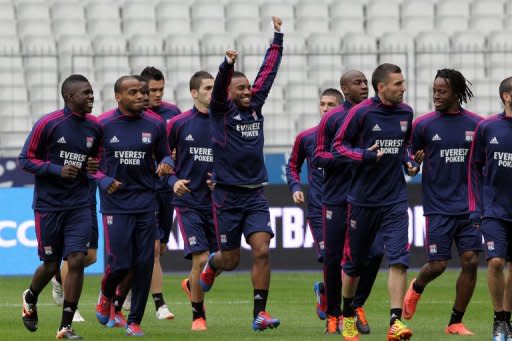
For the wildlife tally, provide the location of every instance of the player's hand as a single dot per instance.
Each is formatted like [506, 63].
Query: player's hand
[93, 164]
[298, 197]
[209, 182]
[231, 56]
[277, 22]
[419, 156]
[375, 148]
[163, 169]
[69, 172]
[173, 154]
[411, 171]
[180, 187]
[114, 186]
[163, 248]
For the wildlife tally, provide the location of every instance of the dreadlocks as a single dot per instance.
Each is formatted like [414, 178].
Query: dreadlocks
[459, 84]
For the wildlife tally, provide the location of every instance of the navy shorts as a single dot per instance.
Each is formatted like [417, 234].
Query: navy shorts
[442, 230]
[197, 229]
[497, 237]
[334, 231]
[316, 227]
[238, 210]
[362, 227]
[128, 237]
[62, 233]
[164, 214]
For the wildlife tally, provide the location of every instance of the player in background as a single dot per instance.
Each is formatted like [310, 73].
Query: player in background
[374, 137]
[239, 173]
[303, 150]
[490, 204]
[134, 143]
[189, 134]
[337, 177]
[156, 83]
[442, 139]
[59, 149]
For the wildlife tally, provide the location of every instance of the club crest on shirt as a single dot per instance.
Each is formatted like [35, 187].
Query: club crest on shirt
[353, 224]
[110, 220]
[254, 115]
[146, 138]
[403, 126]
[89, 140]
[432, 248]
[469, 136]
[48, 250]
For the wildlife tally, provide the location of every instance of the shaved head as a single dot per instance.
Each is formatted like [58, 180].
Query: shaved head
[348, 76]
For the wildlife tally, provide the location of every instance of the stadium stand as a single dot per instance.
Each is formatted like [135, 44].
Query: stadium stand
[41, 42]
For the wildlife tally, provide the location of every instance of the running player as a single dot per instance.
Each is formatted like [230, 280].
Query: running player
[490, 204]
[134, 142]
[239, 173]
[303, 150]
[337, 177]
[57, 151]
[374, 137]
[443, 138]
[189, 134]
[156, 83]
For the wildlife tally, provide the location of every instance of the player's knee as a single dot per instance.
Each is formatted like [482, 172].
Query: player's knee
[90, 259]
[51, 267]
[469, 261]
[438, 267]
[76, 261]
[496, 264]
[261, 251]
[230, 262]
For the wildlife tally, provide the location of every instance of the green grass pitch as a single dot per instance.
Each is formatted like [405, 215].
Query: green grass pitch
[229, 310]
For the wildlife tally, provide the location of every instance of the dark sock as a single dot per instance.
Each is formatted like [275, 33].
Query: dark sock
[456, 316]
[58, 278]
[118, 301]
[396, 314]
[197, 310]
[159, 300]
[499, 316]
[31, 296]
[507, 316]
[417, 288]
[348, 310]
[68, 310]
[112, 282]
[260, 301]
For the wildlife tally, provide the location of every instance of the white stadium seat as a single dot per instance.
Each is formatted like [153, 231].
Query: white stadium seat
[183, 57]
[7, 12]
[33, 11]
[103, 26]
[468, 54]
[494, 8]
[242, 10]
[138, 10]
[34, 27]
[451, 8]
[146, 49]
[359, 52]
[64, 27]
[485, 24]
[172, 10]
[133, 27]
[67, 10]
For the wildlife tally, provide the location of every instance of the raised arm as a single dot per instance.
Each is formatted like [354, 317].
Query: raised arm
[477, 159]
[268, 69]
[219, 103]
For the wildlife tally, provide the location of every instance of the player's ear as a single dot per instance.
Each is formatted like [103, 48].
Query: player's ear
[117, 96]
[194, 93]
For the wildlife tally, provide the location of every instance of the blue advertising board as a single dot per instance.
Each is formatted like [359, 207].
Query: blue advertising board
[18, 243]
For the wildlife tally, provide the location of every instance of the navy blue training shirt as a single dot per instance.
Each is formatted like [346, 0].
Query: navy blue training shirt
[445, 139]
[57, 139]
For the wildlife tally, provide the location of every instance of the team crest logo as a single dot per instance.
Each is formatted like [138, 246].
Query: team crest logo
[254, 115]
[89, 141]
[321, 245]
[469, 136]
[490, 245]
[432, 249]
[403, 126]
[48, 250]
[353, 224]
[192, 240]
[223, 239]
[146, 138]
[328, 214]
[110, 220]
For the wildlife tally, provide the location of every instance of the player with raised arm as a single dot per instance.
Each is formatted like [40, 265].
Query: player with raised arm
[337, 177]
[239, 173]
[58, 150]
[374, 138]
[189, 134]
[442, 139]
[134, 142]
[490, 204]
